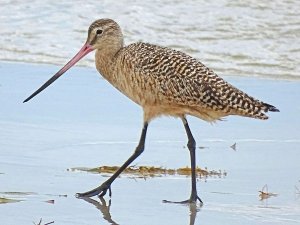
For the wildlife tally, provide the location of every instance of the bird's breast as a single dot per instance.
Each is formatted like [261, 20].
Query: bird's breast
[128, 80]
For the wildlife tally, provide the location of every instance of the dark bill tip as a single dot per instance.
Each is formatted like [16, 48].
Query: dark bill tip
[83, 51]
[50, 81]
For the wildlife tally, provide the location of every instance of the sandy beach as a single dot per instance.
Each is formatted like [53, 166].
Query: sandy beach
[82, 121]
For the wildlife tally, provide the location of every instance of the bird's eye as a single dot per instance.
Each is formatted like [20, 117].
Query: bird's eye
[99, 31]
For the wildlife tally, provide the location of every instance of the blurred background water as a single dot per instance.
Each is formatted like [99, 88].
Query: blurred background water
[236, 38]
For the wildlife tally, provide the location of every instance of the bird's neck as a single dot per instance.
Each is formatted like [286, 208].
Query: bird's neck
[105, 58]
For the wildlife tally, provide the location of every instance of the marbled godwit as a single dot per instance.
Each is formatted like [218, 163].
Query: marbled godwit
[162, 81]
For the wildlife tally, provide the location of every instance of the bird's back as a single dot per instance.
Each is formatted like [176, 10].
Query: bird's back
[163, 77]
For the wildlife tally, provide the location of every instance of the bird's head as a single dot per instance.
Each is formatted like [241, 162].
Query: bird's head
[103, 35]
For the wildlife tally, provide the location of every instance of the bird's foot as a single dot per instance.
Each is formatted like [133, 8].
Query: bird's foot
[100, 191]
[192, 200]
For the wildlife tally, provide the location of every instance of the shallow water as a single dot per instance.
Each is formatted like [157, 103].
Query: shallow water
[82, 121]
[235, 38]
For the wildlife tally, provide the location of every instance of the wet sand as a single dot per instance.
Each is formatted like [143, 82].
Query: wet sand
[81, 121]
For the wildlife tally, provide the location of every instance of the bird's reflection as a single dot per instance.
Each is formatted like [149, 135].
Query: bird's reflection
[103, 207]
[193, 212]
[105, 210]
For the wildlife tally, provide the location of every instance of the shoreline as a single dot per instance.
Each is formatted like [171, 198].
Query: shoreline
[263, 77]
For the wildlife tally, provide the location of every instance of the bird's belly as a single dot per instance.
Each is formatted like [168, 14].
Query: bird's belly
[155, 105]
[153, 111]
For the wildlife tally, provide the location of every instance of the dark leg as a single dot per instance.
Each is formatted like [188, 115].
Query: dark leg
[191, 146]
[102, 189]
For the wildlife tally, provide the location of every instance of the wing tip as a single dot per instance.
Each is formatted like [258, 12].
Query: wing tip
[270, 108]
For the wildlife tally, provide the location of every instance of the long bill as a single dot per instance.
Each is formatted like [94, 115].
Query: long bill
[83, 51]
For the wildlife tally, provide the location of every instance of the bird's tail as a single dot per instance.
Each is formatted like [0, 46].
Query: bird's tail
[271, 108]
[260, 111]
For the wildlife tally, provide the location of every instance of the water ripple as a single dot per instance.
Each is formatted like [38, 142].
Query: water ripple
[238, 38]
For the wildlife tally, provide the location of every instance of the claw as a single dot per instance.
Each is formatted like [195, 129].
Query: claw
[189, 201]
[104, 191]
[200, 200]
[100, 191]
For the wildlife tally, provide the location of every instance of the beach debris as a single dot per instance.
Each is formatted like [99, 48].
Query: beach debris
[265, 194]
[40, 223]
[152, 171]
[233, 146]
[50, 201]
[8, 200]
[13, 196]
[63, 196]
[18, 193]
[58, 195]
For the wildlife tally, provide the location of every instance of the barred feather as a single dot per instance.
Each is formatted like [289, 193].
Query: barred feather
[169, 82]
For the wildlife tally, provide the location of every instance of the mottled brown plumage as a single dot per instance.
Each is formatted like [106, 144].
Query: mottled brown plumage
[169, 82]
[162, 81]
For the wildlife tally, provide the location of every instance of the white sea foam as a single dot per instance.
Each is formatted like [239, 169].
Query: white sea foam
[233, 38]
